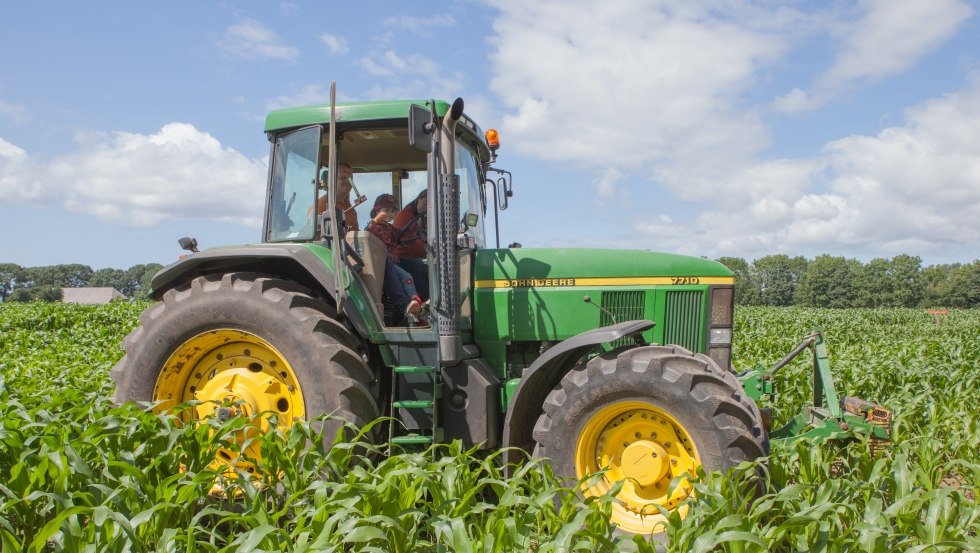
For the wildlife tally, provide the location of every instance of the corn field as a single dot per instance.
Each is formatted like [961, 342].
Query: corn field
[78, 473]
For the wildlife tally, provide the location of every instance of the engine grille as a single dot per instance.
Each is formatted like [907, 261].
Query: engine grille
[624, 306]
[683, 319]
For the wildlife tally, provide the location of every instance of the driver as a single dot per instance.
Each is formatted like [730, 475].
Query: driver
[345, 175]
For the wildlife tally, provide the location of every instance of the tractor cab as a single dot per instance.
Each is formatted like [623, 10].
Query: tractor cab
[383, 161]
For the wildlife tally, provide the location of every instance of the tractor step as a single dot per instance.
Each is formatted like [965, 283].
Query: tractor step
[414, 369]
[415, 392]
[413, 404]
[412, 439]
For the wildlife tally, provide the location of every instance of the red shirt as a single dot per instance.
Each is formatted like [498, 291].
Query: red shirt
[407, 223]
[386, 233]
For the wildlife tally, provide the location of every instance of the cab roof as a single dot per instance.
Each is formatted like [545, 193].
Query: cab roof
[368, 114]
[379, 110]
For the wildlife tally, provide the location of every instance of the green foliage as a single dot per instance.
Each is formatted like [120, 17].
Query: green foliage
[777, 277]
[80, 473]
[828, 281]
[20, 284]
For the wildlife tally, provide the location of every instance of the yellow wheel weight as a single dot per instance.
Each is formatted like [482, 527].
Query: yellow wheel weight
[645, 448]
[232, 372]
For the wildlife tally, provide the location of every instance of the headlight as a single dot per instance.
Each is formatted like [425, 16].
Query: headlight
[721, 336]
[720, 325]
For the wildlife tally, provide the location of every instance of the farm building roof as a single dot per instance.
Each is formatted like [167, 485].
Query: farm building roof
[91, 296]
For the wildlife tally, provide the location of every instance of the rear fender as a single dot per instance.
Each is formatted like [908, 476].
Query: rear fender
[546, 372]
[293, 262]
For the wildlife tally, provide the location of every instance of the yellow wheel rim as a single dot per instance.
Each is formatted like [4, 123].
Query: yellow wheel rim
[645, 448]
[232, 372]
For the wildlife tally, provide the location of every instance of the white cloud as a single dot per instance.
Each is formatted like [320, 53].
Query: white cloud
[252, 40]
[307, 95]
[413, 75]
[336, 45]
[17, 176]
[633, 84]
[661, 88]
[913, 188]
[17, 114]
[888, 38]
[422, 25]
[140, 180]
[606, 183]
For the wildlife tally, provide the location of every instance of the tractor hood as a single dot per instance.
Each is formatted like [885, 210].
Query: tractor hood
[531, 267]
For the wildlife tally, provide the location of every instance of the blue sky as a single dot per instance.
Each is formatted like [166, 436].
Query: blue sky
[706, 128]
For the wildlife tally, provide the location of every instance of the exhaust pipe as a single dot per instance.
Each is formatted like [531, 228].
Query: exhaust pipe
[447, 227]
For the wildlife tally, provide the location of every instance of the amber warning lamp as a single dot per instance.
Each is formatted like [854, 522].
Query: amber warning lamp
[493, 140]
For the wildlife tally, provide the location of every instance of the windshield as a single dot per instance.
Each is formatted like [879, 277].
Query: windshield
[470, 185]
[293, 186]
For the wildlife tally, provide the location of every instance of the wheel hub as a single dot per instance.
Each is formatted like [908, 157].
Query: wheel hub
[646, 449]
[645, 462]
[231, 373]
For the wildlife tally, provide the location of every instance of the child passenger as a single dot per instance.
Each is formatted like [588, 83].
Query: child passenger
[396, 278]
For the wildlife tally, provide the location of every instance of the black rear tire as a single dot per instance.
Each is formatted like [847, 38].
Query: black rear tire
[306, 353]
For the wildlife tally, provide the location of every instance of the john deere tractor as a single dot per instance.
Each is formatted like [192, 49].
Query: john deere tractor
[602, 361]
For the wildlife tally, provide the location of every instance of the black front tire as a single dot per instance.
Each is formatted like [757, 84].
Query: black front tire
[647, 414]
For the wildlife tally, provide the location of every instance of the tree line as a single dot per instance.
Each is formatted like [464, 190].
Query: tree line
[45, 283]
[831, 281]
[776, 280]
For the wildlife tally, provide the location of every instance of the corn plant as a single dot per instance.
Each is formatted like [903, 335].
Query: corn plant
[79, 473]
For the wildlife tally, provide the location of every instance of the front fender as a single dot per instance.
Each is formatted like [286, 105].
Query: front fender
[546, 372]
[293, 262]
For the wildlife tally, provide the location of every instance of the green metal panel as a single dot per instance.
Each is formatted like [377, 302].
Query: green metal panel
[683, 322]
[356, 295]
[534, 295]
[528, 263]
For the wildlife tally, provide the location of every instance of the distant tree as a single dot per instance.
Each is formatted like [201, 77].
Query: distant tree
[10, 275]
[777, 277]
[20, 295]
[746, 289]
[938, 285]
[114, 278]
[60, 276]
[873, 285]
[965, 286]
[828, 282]
[907, 285]
[139, 278]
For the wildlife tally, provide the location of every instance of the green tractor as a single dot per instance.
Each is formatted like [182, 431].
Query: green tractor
[603, 361]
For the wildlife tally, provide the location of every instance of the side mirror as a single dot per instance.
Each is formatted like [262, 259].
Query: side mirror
[420, 128]
[188, 243]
